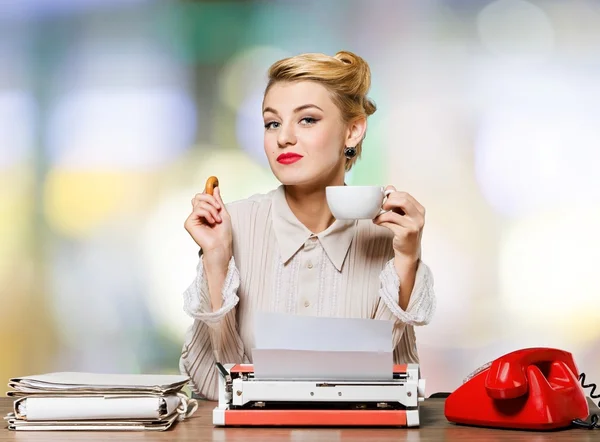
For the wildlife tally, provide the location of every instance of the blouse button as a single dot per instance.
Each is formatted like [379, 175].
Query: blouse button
[306, 303]
[310, 266]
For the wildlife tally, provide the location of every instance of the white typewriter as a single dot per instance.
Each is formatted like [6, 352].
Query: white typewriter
[247, 401]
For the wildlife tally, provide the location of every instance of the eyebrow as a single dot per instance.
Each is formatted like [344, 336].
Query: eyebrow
[298, 109]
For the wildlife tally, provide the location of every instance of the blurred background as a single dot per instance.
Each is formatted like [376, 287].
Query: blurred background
[114, 112]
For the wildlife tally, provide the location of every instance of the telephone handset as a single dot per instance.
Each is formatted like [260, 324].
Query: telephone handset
[532, 388]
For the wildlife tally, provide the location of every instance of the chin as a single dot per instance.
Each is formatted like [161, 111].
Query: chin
[291, 177]
[303, 179]
[289, 180]
[303, 174]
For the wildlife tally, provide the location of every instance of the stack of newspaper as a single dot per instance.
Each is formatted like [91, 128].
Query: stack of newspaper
[91, 401]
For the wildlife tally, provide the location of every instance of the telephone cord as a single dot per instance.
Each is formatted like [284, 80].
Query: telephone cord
[594, 418]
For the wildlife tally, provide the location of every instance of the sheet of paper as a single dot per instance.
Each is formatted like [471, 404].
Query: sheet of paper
[278, 364]
[320, 348]
[294, 332]
[69, 380]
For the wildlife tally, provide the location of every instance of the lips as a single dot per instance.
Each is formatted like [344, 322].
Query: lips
[288, 158]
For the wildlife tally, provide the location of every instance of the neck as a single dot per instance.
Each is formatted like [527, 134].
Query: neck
[308, 202]
[310, 207]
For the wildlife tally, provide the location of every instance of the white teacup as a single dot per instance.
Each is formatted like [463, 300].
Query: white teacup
[356, 202]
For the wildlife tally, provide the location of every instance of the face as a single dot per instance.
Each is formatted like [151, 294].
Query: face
[305, 134]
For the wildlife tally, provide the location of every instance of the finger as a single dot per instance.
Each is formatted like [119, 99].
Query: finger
[411, 198]
[223, 210]
[217, 195]
[397, 230]
[210, 209]
[204, 216]
[199, 217]
[407, 223]
[204, 197]
[398, 200]
[208, 198]
[417, 204]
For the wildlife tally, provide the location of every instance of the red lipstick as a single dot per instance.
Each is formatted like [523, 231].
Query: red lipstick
[288, 158]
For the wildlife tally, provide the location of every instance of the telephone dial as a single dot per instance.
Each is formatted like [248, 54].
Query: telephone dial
[529, 389]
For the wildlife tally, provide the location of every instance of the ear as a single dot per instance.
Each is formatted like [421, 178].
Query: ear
[356, 131]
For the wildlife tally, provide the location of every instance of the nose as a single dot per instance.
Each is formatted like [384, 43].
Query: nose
[286, 136]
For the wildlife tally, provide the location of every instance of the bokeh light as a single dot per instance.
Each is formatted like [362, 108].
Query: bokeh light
[17, 269]
[16, 208]
[76, 202]
[17, 126]
[516, 28]
[534, 156]
[548, 272]
[245, 74]
[19, 10]
[129, 129]
[250, 128]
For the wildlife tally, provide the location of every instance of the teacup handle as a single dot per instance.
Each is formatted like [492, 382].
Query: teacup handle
[385, 196]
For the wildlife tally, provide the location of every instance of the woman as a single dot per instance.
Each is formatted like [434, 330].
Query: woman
[284, 251]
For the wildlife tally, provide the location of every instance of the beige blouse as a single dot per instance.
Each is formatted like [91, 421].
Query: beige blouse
[278, 265]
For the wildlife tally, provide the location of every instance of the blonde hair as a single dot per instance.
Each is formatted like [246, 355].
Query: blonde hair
[346, 75]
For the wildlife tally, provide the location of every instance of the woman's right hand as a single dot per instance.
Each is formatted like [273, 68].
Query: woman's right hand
[209, 225]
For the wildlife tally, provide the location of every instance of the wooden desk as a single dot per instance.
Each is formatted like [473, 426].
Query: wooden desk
[199, 428]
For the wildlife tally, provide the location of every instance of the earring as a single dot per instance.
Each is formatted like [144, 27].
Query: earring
[349, 152]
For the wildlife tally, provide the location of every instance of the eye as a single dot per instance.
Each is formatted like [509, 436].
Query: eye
[308, 121]
[270, 124]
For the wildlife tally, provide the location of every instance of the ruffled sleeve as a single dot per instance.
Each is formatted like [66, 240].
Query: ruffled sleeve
[422, 304]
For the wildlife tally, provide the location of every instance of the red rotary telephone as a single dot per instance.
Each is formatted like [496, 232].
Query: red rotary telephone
[533, 388]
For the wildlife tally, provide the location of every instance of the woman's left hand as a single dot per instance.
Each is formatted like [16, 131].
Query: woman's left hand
[405, 217]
